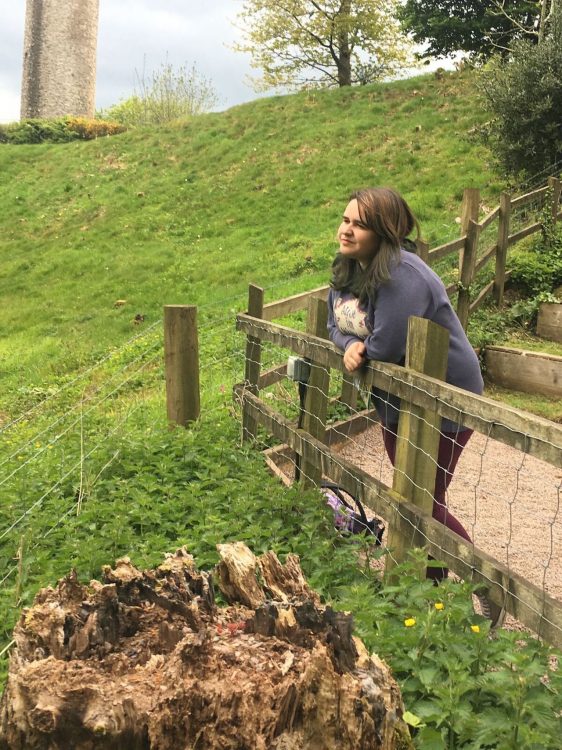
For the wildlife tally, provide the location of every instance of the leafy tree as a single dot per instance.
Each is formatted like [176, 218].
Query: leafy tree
[322, 42]
[479, 27]
[524, 96]
[164, 95]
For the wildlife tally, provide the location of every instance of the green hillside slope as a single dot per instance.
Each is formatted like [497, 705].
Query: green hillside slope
[194, 211]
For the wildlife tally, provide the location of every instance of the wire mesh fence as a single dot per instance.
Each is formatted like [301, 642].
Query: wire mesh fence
[502, 508]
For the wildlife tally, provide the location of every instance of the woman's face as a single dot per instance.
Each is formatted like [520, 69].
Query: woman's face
[356, 240]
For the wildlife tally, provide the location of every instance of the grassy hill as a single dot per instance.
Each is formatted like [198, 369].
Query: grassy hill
[192, 212]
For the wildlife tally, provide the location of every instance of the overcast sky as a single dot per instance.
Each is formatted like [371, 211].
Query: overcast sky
[137, 33]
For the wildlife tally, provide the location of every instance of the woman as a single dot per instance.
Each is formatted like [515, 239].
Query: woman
[377, 284]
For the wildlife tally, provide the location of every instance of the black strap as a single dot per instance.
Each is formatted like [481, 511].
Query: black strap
[337, 490]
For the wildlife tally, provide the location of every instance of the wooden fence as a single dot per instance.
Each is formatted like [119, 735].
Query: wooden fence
[406, 506]
[473, 256]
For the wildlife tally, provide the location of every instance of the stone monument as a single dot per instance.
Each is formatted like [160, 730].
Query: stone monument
[59, 58]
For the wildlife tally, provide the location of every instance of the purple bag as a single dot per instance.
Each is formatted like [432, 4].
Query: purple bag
[346, 518]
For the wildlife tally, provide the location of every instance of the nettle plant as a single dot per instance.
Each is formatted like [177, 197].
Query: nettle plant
[463, 685]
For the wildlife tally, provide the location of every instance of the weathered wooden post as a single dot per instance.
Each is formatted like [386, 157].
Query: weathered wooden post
[423, 250]
[470, 209]
[181, 354]
[253, 360]
[348, 391]
[316, 400]
[556, 186]
[466, 274]
[503, 243]
[417, 444]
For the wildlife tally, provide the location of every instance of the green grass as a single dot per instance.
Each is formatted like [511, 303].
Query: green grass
[543, 406]
[195, 211]
[532, 343]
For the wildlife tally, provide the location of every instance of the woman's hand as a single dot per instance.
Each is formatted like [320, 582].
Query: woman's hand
[354, 356]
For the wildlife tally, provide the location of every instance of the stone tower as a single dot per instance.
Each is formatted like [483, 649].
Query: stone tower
[59, 58]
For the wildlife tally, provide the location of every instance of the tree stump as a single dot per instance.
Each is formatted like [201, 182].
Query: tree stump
[147, 660]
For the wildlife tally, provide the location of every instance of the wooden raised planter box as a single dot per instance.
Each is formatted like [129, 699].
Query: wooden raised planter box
[549, 323]
[520, 370]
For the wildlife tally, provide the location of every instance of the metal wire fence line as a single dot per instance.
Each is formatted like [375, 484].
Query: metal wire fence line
[524, 587]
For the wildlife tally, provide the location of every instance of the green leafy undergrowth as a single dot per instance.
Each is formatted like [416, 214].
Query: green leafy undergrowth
[199, 487]
[149, 490]
[463, 686]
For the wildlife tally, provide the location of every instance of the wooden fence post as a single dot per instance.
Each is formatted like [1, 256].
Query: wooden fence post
[556, 187]
[470, 208]
[466, 273]
[316, 400]
[253, 360]
[348, 391]
[181, 355]
[423, 250]
[417, 444]
[504, 221]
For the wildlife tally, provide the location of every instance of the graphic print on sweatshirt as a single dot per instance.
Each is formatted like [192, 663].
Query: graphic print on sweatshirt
[350, 318]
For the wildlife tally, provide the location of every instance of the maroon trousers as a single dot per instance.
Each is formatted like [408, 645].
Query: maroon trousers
[451, 446]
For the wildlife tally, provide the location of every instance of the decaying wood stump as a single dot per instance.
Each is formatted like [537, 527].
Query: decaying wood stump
[147, 660]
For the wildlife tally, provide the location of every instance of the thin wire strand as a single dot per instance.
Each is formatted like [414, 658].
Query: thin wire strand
[94, 406]
[80, 376]
[57, 484]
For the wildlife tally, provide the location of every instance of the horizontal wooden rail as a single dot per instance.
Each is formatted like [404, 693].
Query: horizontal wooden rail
[292, 304]
[485, 257]
[528, 603]
[443, 250]
[488, 289]
[531, 434]
[522, 233]
[523, 200]
[489, 218]
[272, 376]
[452, 288]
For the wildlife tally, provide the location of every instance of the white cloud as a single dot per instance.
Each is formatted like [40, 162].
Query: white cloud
[10, 103]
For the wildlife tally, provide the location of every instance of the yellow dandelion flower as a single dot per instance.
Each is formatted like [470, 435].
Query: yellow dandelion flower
[410, 622]
[475, 628]
[439, 606]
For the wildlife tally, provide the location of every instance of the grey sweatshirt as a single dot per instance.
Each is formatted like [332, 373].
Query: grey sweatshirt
[413, 289]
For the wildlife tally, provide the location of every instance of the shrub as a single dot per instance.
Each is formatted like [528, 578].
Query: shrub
[538, 269]
[524, 97]
[129, 112]
[59, 130]
[167, 94]
[89, 129]
[38, 131]
[533, 272]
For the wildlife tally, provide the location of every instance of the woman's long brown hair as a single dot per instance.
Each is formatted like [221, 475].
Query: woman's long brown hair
[387, 214]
